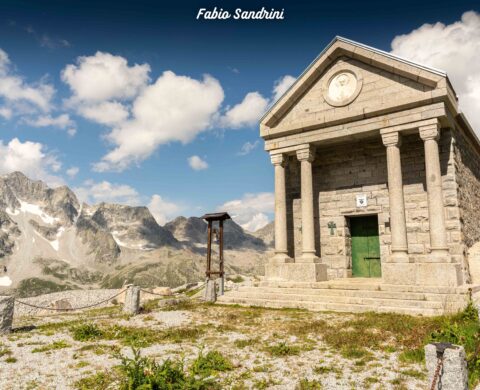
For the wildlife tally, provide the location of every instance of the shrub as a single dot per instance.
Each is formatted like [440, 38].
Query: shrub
[144, 373]
[210, 363]
[463, 329]
[86, 332]
[282, 349]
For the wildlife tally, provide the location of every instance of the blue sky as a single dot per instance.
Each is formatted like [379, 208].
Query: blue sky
[135, 134]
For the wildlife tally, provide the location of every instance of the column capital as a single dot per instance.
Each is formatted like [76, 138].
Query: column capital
[306, 154]
[278, 159]
[430, 131]
[392, 139]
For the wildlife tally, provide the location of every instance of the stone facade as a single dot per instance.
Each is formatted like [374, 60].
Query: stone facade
[362, 124]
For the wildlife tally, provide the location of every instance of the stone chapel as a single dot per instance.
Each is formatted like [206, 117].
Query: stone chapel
[377, 188]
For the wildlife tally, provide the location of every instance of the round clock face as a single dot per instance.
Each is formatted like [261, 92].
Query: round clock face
[342, 87]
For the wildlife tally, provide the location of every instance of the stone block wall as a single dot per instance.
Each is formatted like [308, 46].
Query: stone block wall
[467, 163]
[343, 171]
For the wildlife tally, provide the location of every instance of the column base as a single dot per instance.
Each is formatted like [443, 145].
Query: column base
[438, 255]
[400, 257]
[439, 274]
[280, 258]
[422, 274]
[308, 257]
[296, 272]
[399, 273]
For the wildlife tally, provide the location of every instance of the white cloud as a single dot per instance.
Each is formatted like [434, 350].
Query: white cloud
[72, 172]
[106, 113]
[247, 147]
[246, 113]
[62, 121]
[30, 158]
[254, 105]
[104, 76]
[104, 191]
[197, 163]
[258, 221]
[174, 108]
[454, 48]
[281, 86]
[15, 91]
[6, 112]
[251, 211]
[163, 210]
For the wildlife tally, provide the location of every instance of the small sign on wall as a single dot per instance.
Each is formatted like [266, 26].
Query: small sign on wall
[362, 200]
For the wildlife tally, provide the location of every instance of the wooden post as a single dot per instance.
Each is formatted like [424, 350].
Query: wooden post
[222, 273]
[209, 249]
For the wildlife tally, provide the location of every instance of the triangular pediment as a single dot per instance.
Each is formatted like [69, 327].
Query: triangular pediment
[350, 81]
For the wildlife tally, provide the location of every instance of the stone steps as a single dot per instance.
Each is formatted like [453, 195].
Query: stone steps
[420, 296]
[323, 306]
[373, 297]
[343, 300]
[376, 284]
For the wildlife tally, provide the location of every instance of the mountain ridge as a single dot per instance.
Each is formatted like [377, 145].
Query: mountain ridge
[48, 237]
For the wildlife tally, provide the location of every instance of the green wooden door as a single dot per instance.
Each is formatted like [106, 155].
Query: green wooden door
[365, 247]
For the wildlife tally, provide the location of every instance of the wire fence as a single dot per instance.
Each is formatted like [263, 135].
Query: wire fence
[70, 308]
[89, 306]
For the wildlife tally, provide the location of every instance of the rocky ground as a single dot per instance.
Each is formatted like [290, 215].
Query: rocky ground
[264, 348]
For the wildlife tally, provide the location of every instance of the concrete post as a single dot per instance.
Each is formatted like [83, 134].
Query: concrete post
[281, 252]
[132, 300]
[211, 291]
[6, 313]
[436, 213]
[398, 225]
[453, 373]
[306, 156]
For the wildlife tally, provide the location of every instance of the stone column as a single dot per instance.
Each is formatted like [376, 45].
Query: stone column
[281, 251]
[306, 156]
[7, 304]
[398, 225]
[132, 300]
[436, 214]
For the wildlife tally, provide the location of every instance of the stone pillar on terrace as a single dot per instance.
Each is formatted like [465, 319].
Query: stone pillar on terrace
[306, 157]
[436, 214]
[281, 251]
[398, 225]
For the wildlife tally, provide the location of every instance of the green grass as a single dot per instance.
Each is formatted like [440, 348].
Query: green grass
[320, 370]
[5, 351]
[463, 329]
[100, 349]
[242, 343]
[61, 344]
[282, 349]
[144, 373]
[212, 362]
[143, 337]
[353, 352]
[416, 355]
[86, 332]
[11, 359]
[306, 384]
